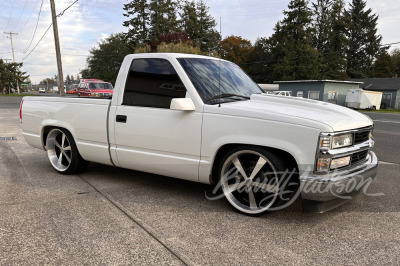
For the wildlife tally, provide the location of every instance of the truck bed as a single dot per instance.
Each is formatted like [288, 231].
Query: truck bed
[85, 118]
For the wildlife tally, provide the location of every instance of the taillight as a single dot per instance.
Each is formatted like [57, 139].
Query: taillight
[20, 111]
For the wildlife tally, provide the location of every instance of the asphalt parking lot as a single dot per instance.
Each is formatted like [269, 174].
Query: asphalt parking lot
[109, 215]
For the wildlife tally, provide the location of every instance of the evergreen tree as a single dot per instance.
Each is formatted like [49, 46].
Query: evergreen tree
[207, 37]
[162, 18]
[199, 25]
[188, 22]
[382, 66]
[291, 45]
[363, 40]
[11, 75]
[334, 55]
[259, 62]
[395, 57]
[321, 24]
[138, 14]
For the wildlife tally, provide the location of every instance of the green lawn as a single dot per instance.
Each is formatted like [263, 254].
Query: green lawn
[383, 111]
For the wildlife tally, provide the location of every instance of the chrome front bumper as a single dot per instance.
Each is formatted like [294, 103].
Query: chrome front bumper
[322, 193]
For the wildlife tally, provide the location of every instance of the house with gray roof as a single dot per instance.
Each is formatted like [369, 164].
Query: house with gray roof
[390, 88]
[333, 91]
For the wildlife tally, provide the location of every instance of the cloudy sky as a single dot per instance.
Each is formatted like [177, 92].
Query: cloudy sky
[85, 23]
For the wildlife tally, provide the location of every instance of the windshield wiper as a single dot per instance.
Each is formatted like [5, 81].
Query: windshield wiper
[226, 95]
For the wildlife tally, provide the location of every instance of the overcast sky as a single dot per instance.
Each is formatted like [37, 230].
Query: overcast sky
[88, 21]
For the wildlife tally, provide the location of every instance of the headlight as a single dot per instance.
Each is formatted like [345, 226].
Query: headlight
[341, 141]
[340, 162]
[334, 142]
[95, 94]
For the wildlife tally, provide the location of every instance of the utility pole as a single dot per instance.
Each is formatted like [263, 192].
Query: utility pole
[12, 49]
[57, 43]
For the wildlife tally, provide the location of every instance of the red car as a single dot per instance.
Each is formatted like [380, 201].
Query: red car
[95, 88]
[72, 89]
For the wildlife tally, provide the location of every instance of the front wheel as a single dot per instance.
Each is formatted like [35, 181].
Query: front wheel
[251, 179]
[63, 153]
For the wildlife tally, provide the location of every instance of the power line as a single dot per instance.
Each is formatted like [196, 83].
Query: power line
[37, 22]
[37, 42]
[59, 15]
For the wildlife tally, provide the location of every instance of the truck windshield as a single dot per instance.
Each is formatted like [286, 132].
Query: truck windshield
[218, 81]
[103, 86]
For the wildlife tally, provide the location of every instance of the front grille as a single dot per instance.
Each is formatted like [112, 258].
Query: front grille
[358, 157]
[360, 137]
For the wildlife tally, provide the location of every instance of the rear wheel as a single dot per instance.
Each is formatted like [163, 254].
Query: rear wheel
[251, 179]
[62, 152]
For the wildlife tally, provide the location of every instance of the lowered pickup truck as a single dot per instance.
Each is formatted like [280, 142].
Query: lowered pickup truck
[203, 119]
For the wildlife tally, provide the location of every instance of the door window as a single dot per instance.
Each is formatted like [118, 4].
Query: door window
[152, 83]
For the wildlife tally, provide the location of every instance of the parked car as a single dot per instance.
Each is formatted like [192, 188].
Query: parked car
[95, 88]
[42, 90]
[203, 119]
[72, 89]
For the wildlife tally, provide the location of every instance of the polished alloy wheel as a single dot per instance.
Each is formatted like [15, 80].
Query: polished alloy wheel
[59, 150]
[250, 181]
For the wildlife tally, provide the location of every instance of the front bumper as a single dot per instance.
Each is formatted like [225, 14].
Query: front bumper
[322, 193]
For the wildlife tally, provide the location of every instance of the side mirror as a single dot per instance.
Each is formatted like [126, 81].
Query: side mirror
[182, 104]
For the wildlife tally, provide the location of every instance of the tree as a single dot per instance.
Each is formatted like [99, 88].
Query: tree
[363, 40]
[138, 14]
[321, 24]
[11, 75]
[329, 38]
[395, 57]
[382, 67]
[162, 18]
[292, 55]
[235, 49]
[259, 63]
[105, 60]
[181, 47]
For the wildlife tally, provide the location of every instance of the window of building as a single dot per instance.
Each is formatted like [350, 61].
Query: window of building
[332, 95]
[152, 83]
[313, 95]
[299, 94]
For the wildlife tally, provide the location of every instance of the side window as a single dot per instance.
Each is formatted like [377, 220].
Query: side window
[299, 94]
[313, 95]
[332, 95]
[152, 83]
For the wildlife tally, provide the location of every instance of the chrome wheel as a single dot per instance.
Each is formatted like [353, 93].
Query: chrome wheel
[59, 150]
[249, 181]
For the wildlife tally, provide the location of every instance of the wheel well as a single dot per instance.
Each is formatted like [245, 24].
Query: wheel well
[46, 130]
[285, 156]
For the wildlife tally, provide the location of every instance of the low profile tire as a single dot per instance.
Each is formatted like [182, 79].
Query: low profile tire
[251, 180]
[62, 152]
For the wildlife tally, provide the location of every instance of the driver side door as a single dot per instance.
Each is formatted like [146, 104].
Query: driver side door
[149, 136]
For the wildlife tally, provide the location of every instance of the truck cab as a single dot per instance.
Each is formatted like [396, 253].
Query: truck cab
[94, 88]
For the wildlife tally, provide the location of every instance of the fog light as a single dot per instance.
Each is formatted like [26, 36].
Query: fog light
[340, 162]
[323, 164]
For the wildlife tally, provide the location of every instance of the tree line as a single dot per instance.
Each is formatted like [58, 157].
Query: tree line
[324, 39]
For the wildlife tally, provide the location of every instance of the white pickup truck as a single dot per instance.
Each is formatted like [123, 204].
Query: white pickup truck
[203, 119]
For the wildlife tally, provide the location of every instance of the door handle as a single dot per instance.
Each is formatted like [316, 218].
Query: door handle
[121, 119]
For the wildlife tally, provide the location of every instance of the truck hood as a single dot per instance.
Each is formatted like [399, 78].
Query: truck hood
[312, 113]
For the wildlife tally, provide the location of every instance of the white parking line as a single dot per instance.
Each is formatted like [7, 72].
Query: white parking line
[387, 121]
[381, 162]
